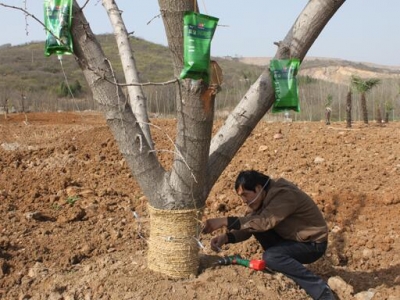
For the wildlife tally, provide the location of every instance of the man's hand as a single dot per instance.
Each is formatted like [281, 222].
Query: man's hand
[213, 224]
[218, 241]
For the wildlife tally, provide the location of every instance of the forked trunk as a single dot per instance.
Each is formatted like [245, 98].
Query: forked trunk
[176, 198]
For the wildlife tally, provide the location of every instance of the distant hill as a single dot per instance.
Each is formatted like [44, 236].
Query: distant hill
[24, 67]
[29, 81]
[334, 70]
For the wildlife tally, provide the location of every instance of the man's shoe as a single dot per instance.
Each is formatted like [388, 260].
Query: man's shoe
[327, 294]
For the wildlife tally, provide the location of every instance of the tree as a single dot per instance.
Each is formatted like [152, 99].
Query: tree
[5, 99]
[378, 116]
[69, 90]
[388, 108]
[176, 197]
[328, 109]
[363, 87]
[348, 109]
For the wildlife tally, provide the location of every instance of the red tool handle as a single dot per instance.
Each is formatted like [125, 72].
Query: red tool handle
[257, 264]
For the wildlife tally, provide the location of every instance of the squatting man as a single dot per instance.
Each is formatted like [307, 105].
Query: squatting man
[285, 221]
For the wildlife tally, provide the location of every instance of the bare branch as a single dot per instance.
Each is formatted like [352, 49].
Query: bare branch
[28, 14]
[26, 20]
[136, 95]
[159, 15]
[84, 5]
[147, 83]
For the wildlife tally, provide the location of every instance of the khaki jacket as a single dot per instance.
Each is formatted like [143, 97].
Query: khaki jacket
[289, 211]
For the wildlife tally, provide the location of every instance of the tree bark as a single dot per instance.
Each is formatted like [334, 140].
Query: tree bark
[129, 136]
[195, 114]
[136, 95]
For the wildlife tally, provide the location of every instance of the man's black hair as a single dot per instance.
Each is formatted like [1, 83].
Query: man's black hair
[249, 179]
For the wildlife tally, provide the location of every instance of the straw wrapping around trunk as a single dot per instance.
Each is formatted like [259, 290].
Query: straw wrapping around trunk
[173, 245]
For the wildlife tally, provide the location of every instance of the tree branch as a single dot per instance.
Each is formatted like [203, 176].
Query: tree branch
[136, 95]
[126, 129]
[24, 11]
[260, 97]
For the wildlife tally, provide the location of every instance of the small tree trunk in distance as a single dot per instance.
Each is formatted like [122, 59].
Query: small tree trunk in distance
[387, 117]
[328, 112]
[378, 116]
[6, 108]
[23, 97]
[348, 109]
[364, 108]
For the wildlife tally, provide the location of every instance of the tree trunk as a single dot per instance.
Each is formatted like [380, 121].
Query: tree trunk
[328, 112]
[195, 114]
[378, 116]
[132, 143]
[348, 110]
[6, 108]
[364, 108]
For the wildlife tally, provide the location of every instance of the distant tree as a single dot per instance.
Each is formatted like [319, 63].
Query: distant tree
[389, 105]
[348, 109]
[6, 107]
[378, 116]
[23, 100]
[72, 90]
[388, 108]
[328, 109]
[62, 90]
[77, 87]
[363, 87]
[5, 99]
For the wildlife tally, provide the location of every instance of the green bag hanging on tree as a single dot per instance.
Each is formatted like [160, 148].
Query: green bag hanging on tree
[57, 18]
[198, 31]
[284, 76]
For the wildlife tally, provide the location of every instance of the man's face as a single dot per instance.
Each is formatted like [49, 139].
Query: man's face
[252, 198]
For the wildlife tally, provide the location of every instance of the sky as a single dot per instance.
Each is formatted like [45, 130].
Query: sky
[360, 31]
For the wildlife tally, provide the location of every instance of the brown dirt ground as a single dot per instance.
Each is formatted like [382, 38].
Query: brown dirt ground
[68, 232]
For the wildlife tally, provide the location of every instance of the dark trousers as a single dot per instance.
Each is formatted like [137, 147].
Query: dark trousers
[288, 257]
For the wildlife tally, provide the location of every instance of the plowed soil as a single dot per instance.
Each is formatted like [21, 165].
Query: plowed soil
[67, 230]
